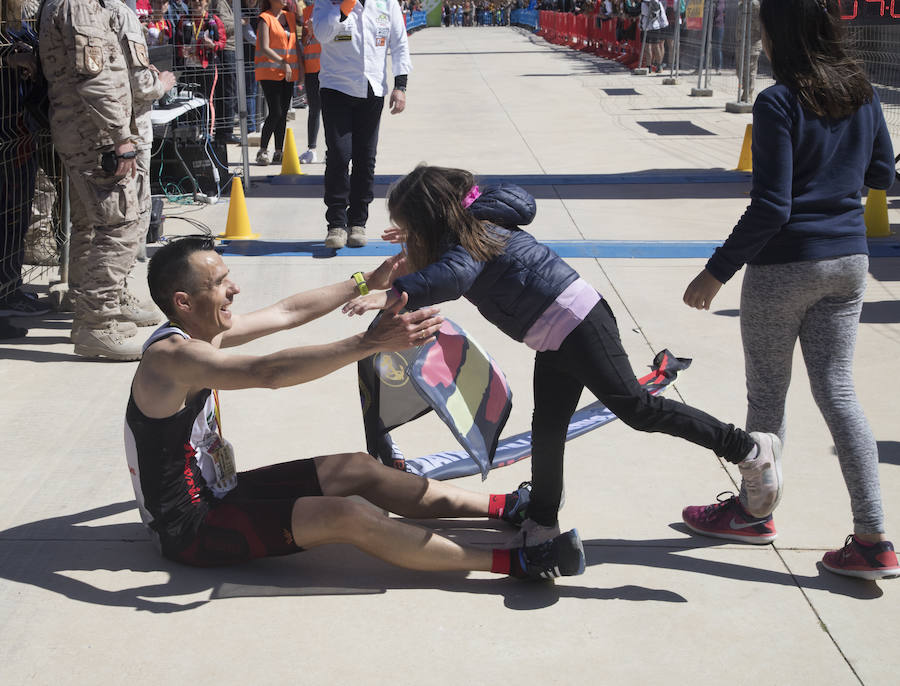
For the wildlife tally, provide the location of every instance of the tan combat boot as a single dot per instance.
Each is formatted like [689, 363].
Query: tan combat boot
[132, 310]
[106, 340]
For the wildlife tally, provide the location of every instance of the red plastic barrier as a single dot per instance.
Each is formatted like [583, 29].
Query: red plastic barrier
[581, 32]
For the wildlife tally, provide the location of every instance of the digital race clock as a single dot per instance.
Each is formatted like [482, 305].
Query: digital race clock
[869, 12]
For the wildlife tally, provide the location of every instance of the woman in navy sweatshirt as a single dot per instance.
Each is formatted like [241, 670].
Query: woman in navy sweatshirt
[819, 136]
[466, 242]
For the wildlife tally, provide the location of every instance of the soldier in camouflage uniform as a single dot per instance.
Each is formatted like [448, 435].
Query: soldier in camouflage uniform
[92, 119]
[147, 85]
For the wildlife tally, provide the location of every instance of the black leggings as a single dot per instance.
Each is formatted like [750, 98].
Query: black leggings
[592, 356]
[278, 99]
[314, 109]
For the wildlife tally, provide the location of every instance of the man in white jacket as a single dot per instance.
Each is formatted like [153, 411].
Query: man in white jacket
[355, 37]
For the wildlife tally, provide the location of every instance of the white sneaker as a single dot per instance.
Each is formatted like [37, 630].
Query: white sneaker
[106, 341]
[262, 158]
[309, 157]
[357, 238]
[761, 482]
[337, 237]
[531, 533]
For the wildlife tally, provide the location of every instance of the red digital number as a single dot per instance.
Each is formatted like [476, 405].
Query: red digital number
[894, 14]
[880, 2]
[848, 17]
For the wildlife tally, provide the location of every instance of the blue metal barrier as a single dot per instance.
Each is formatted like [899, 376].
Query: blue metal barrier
[415, 21]
[529, 18]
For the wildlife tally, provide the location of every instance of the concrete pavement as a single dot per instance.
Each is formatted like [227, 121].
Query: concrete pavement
[85, 599]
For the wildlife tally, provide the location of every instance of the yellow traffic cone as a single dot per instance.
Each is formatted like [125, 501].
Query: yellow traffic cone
[237, 227]
[290, 163]
[745, 163]
[876, 214]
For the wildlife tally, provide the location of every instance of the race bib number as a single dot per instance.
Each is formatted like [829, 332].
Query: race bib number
[221, 456]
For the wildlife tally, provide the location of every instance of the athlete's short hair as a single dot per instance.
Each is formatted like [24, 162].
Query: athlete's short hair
[170, 271]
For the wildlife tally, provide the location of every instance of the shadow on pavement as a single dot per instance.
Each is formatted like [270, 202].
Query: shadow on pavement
[666, 554]
[889, 452]
[59, 554]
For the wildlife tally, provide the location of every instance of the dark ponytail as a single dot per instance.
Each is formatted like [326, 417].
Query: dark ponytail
[809, 56]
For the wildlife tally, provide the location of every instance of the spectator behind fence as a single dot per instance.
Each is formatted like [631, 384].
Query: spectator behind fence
[18, 167]
[92, 122]
[819, 135]
[748, 83]
[312, 51]
[249, 21]
[653, 22]
[177, 10]
[226, 86]
[718, 35]
[147, 86]
[200, 37]
[141, 8]
[159, 29]
[277, 70]
[355, 38]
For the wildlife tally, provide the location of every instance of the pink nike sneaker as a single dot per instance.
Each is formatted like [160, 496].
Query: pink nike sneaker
[728, 519]
[875, 561]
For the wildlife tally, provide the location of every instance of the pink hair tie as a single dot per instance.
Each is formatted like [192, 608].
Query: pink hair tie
[471, 197]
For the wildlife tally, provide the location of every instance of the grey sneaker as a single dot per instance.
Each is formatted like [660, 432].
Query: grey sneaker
[262, 158]
[357, 237]
[531, 533]
[106, 341]
[337, 237]
[761, 482]
[132, 310]
[309, 157]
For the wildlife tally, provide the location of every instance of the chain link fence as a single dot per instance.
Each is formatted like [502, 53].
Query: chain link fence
[33, 235]
[876, 46]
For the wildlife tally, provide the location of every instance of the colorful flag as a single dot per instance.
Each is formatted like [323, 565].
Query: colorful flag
[454, 376]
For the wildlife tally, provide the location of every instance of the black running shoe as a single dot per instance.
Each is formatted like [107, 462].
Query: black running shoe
[519, 511]
[560, 556]
[23, 304]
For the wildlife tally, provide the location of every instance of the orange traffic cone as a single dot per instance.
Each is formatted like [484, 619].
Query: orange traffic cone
[876, 214]
[237, 227]
[745, 163]
[290, 162]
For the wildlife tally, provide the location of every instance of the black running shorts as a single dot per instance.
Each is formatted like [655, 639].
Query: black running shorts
[253, 519]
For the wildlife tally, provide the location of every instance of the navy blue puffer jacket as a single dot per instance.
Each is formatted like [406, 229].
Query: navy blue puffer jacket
[512, 290]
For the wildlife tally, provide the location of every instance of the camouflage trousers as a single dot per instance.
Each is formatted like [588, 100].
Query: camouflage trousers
[106, 229]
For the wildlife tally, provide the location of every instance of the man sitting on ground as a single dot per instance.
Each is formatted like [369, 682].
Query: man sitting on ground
[200, 511]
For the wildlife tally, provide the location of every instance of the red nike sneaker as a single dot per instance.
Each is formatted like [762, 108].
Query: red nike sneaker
[728, 519]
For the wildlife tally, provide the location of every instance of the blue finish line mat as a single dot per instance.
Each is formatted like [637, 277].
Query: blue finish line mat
[566, 249]
[655, 176]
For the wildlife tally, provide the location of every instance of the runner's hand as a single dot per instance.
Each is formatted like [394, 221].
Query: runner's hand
[392, 268]
[394, 235]
[364, 303]
[401, 331]
[701, 291]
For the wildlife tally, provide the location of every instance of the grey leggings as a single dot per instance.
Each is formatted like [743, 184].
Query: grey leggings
[818, 302]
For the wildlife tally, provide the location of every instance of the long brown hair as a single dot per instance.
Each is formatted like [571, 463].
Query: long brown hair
[427, 204]
[809, 56]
